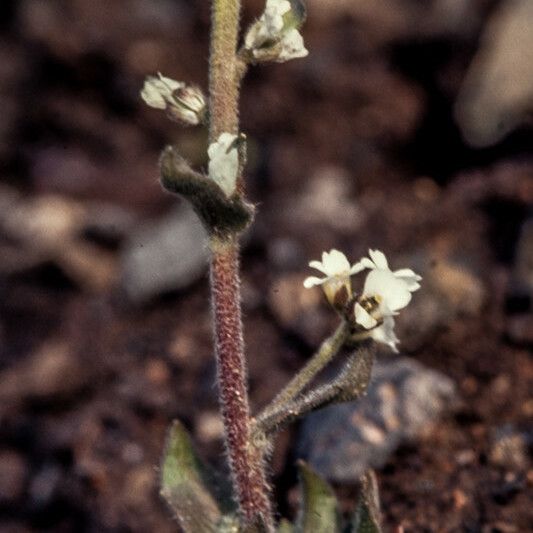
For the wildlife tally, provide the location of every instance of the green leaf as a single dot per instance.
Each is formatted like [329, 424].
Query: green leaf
[219, 214]
[367, 517]
[186, 484]
[319, 509]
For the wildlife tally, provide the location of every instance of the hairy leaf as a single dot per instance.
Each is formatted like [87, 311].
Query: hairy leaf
[367, 517]
[219, 214]
[319, 508]
[186, 484]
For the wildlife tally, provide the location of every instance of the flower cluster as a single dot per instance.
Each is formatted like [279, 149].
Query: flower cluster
[384, 294]
[182, 102]
[272, 37]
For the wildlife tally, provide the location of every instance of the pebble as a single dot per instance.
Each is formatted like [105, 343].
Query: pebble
[163, 256]
[509, 448]
[497, 92]
[520, 329]
[404, 399]
[13, 475]
[450, 290]
[52, 372]
[209, 426]
[52, 228]
[298, 309]
[45, 485]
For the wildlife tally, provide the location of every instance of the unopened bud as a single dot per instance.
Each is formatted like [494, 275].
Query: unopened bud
[182, 102]
[224, 162]
[275, 36]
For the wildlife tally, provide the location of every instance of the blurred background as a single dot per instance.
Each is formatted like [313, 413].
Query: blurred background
[406, 129]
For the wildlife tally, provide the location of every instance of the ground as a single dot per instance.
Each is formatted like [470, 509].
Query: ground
[354, 147]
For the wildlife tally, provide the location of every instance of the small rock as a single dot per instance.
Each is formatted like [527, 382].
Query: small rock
[132, 453]
[449, 290]
[140, 483]
[13, 474]
[497, 93]
[404, 398]
[298, 309]
[45, 220]
[163, 256]
[51, 228]
[509, 448]
[50, 373]
[45, 485]
[520, 329]
[209, 426]
[326, 200]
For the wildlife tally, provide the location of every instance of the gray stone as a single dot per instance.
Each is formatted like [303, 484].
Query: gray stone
[13, 475]
[509, 448]
[164, 255]
[519, 328]
[403, 400]
[54, 371]
[451, 289]
[497, 92]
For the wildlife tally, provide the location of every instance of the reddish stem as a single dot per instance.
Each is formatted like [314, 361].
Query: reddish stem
[245, 461]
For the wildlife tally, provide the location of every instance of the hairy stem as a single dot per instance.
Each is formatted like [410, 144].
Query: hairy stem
[247, 468]
[223, 81]
[328, 349]
[246, 463]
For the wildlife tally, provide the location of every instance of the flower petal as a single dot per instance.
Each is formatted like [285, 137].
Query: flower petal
[379, 259]
[357, 267]
[407, 273]
[385, 334]
[335, 263]
[393, 292]
[312, 281]
[367, 263]
[363, 317]
[318, 265]
[412, 285]
[223, 165]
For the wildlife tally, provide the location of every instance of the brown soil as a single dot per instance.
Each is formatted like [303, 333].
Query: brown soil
[89, 383]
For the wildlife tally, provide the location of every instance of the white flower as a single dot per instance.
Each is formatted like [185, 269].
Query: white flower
[157, 91]
[337, 270]
[385, 333]
[269, 25]
[182, 102]
[385, 292]
[224, 162]
[292, 46]
[269, 39]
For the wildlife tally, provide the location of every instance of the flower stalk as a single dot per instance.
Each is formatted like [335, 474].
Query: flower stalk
[327, 351]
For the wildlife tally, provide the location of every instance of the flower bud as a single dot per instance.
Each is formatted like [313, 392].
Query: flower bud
[336, 282]
[182, 102]
[275, 36]
[224, 162]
